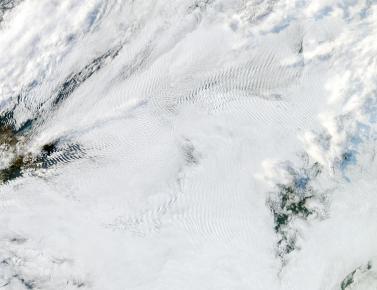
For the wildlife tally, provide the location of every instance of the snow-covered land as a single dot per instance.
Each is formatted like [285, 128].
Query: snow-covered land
[188, 144]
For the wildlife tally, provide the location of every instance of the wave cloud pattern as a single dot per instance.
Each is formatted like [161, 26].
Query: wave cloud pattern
[188, 144]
